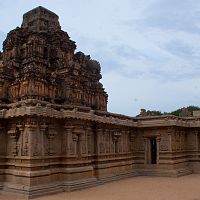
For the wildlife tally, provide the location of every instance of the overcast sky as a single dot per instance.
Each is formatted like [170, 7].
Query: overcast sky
[149, 50]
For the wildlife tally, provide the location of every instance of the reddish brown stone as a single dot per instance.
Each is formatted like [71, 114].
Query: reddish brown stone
[39, 62]
[55, 132]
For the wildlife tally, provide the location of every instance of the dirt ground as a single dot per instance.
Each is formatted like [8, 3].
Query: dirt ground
[136, 188]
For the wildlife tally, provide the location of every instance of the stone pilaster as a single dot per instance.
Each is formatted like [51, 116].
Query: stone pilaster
[31, 131]
[116, 136]
[14, 134]
[43, 129]
[99, 132]
[21, 131]
[51, 133]
[132, 139]
[90, 142]
[84, 143]
[76, 146]
[146, 150]
[67, 139]
[197, 139]
[158, 139]
[169, 132]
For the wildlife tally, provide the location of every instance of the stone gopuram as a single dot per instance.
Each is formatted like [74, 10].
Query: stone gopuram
[55, 131]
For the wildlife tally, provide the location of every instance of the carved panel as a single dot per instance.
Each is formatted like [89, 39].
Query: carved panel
[165, 143]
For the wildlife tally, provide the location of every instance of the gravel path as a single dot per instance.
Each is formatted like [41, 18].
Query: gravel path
[136, 188]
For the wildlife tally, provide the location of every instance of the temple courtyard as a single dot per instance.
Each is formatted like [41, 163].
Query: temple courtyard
[137, 188]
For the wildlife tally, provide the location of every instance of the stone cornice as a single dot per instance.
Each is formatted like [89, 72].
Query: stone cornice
[45, 109]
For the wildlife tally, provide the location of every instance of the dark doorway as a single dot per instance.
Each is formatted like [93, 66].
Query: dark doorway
[153, 151]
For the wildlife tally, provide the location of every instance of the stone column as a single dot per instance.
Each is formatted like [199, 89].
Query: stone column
[196, 144]
[132, 139]
[89, 141]
[81, 140]
[197, 140]
[170, 141]
[76, 147]
[115, 144]
[21, 131]
[31, 129]
[99, 132]
[111, 140]
[146, 150]
[67, 133]
[158, 149]
[1, 87]
[43, 129]
[116, 136]
[84, 142]
[108, 143]
[14, 136]
[51, 135]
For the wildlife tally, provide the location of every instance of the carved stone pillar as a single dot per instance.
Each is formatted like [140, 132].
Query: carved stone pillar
[14, 134]
[31, 129]
[1, 87]
[2, 139]
[81, 140]
[67, 138]
[116, 136]
[99, 132]
[90, 144]
[146, 150]
[158, 149]
[76, 146]
[108, 142]
[115, 139]
[170, 141]
[51, 133]
[84, 143]
[43, 129]
[21, 131]
[132, 139]
[197, 140]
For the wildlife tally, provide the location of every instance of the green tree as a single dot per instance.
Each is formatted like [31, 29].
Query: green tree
[189, 108]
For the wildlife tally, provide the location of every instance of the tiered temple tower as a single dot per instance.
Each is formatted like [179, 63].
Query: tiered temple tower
[39, 62]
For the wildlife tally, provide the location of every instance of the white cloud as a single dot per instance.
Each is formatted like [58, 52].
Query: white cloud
[134, 94]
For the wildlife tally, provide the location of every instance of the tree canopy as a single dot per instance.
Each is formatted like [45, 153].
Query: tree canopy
[189, 108]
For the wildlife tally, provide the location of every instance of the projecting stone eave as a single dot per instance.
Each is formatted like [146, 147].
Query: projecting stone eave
[168, 120]
[44, 109]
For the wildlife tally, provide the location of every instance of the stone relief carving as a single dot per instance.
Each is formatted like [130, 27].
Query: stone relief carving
[14, 134]
[164, 143]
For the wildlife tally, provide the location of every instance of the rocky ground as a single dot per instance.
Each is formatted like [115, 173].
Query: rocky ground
[136, 188]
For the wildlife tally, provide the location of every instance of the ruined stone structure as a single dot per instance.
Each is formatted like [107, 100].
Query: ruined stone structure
[56, 134]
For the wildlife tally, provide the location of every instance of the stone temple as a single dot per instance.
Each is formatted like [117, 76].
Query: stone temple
[55, 131]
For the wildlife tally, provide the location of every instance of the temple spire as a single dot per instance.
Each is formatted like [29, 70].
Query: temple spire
[41, 19]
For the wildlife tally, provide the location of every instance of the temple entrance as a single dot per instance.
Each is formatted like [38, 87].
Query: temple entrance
[153, 151]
